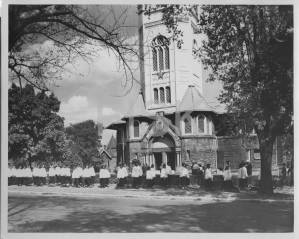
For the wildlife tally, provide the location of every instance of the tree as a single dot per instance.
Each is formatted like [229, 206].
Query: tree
[85, 138]
[249, 49]
[71, 155]
[35, 130]
[68, 30]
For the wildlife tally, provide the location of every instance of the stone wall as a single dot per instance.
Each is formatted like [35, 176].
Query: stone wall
[200, 149]
[231, 149]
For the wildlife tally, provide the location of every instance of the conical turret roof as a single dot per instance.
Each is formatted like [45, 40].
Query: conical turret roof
[138, 108]
[194, 101]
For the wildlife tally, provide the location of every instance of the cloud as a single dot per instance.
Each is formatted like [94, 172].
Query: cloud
[107, 111]
[77, 109]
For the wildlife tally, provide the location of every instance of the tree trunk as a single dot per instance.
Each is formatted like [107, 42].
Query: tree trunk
[266, 149]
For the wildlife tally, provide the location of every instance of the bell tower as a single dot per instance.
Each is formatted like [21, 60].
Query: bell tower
[166, 70]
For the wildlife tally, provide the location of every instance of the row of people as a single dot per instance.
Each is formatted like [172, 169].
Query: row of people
[86, 177]
[56, 175]
[150, 174]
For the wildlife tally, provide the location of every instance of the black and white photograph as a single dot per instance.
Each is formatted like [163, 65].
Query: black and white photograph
[147, 118]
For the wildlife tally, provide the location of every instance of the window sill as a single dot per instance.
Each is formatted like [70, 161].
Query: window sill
[158, 72]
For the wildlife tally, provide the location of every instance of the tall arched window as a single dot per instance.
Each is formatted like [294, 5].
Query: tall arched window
[161, 61]
[201, 124]
[155, 65]
[156, 96]
[136, 129]
[168, 95]
[162, 95]
[187, 125]
[160, 52]
[166, 50]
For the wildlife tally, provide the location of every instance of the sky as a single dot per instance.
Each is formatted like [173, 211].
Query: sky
[95, 90]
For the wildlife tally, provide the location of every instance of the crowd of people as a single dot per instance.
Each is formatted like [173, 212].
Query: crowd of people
[148, 176]
[136, 176]
[57, 174]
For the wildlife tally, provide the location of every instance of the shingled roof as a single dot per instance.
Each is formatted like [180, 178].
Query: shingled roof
[138, 108]
[194, 101]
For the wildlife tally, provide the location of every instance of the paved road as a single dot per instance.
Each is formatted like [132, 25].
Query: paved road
[35, 213]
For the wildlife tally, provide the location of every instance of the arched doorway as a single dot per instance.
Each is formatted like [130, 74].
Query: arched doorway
[163, 149]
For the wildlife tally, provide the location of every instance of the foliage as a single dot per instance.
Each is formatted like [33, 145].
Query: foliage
[85, 138]
[68, 31]
[36, 131]
[250, 49]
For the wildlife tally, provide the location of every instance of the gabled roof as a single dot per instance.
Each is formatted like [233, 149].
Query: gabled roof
[104, 151]
[194, 101]
[138, 108]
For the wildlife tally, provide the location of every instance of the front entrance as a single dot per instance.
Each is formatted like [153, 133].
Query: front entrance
[158, 160]
[171, 160]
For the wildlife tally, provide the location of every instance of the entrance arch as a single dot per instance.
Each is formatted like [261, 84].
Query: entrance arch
[163, 149]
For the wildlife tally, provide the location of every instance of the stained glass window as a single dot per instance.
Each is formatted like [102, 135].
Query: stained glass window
[187, 122]
[166, 50]
[136, 129]
[155, 66]
[156, 96]
[201, 124]
[161, 63]
[168, 95]
[162, 95]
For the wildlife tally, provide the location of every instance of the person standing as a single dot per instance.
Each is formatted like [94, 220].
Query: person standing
[51, 175]
[242, 176]
[140, 173]
[80, 174]
[75, 177]
[227, 177]
[58, 174]
[120, 176]
[196, 173]
[13, 174]
[149, 176]
[27, 176]
[36, 174]
[107, 177]
[67, 176]
[43, 175]
[125, 174]
[135, 175]
[102, 176]
[208, 177]
[92, 174]
[86, 176]
[62, 175]
[249, 172]
[184, 176]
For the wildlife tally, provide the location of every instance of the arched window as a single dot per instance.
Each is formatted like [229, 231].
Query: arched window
[162, 95]
[156, 96]
[161, 62]
[168, 94]
[155, 66]
[166, 50]
[160, 53]
[187, 125]
[136, 129]
[201, 124]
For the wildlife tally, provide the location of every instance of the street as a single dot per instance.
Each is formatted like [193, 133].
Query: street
[37, 213]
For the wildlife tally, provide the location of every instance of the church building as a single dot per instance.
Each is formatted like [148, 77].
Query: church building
[171, 121]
